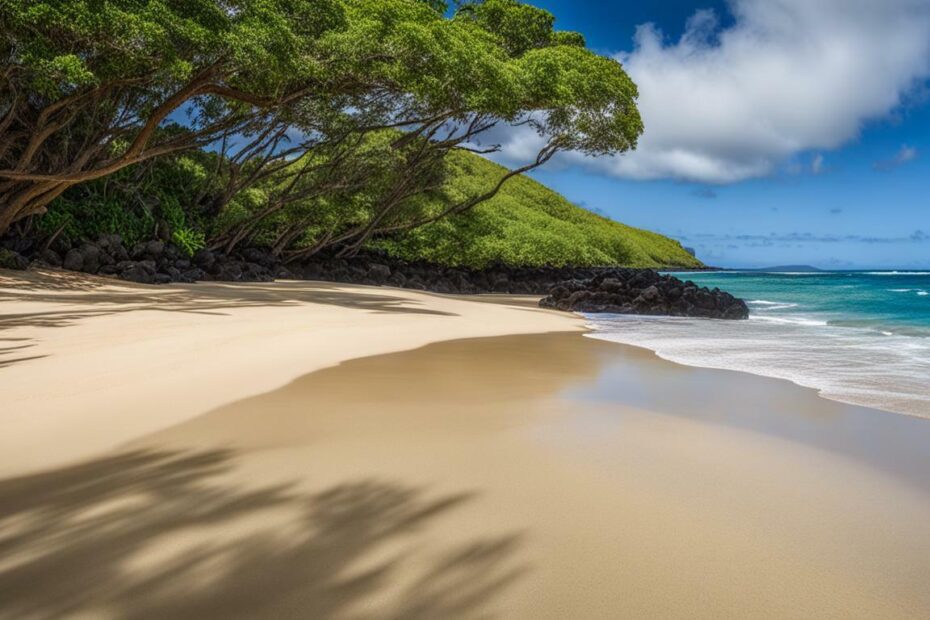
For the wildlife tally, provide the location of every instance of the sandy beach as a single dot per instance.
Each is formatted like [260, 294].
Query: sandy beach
[311, 450]
[91, 363]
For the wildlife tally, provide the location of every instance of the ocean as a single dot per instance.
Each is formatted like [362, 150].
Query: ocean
[860, 337]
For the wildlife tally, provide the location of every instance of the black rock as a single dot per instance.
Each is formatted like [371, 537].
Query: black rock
[204, 259]
[397, 279]
[255, 255]
[74, 260]
[18, 245]
[194, 275]
[139, 273]
[644, 292]
[11, 259]
[148, 250]
[50, 257]
[91, 258]
[229, 272]
[379, 273]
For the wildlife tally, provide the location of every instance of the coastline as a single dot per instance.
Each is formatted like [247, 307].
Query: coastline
[474, 457]
[857, 337]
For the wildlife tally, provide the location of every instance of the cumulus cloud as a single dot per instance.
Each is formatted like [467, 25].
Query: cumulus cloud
[726, 103]
[788, 76]
[904, 155]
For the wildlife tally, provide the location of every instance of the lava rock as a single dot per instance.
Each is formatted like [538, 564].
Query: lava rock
[11, 259]
[644, 292]
[74, 260]
[151, 250]
[50, 257]
[139, 273]
[379, 273]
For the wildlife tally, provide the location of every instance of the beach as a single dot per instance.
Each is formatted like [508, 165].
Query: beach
[303, 449]
[133, 359]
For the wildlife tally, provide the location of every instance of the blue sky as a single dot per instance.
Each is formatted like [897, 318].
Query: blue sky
[776, 133]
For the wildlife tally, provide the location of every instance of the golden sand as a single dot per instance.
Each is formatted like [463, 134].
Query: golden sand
[523, 476]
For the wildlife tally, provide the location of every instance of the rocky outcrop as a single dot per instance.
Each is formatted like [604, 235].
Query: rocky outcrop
[586, 289]
[10, 259]
[149, 262]
[644, 292]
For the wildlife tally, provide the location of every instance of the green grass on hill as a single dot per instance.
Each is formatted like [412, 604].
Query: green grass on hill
[530, 224]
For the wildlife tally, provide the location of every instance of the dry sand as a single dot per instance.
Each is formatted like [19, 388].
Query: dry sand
[87, 364]
[523, 476]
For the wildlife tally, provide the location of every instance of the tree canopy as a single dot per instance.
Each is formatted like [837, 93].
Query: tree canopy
[329, 122]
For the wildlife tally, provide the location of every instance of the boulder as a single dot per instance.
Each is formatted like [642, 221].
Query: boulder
[194, 275]
[91, 258]
[50, 257]
[151, 250]
[379, 273]
[204, 259]
[11, 259]
[642, 292]
[230, 271]
[74, 260]
[139, 273]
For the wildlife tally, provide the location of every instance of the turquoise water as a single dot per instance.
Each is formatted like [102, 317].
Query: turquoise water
[857, 337]
[886, 301]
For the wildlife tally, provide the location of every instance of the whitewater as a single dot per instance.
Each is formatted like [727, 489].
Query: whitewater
[856, 337]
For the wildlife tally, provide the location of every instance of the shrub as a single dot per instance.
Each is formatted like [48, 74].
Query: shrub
[188, 239]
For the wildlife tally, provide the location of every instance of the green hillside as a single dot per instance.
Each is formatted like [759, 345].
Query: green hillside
[529, 224]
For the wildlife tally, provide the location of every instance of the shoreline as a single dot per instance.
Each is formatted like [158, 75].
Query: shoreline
[819, 392]
[413, 455]
[536, 475]
[857, 339]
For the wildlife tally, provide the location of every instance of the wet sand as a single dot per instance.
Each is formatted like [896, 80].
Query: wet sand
[530, 476]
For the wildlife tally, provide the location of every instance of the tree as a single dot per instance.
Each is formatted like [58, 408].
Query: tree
[87, 84]
[304, 102]
[536, 77]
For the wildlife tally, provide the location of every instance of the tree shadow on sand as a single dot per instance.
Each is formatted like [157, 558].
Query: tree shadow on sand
[102, 539]
[212, 298]
[16, 346]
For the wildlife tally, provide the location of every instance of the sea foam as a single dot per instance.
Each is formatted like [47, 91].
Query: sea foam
[845, 334]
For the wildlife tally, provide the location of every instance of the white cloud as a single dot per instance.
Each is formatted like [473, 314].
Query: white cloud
[904, 155]
[817, 165]
[787, 76]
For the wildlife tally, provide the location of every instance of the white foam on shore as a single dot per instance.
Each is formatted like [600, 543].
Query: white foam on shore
[861, 366]
[768, 306]
[785, 320]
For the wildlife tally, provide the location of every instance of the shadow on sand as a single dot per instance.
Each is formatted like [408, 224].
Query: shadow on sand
[201, 298]
[101, 539]
[65, 291]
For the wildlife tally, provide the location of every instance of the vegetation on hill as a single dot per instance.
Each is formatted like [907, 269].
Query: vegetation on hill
[529, 224]
[526, 223]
